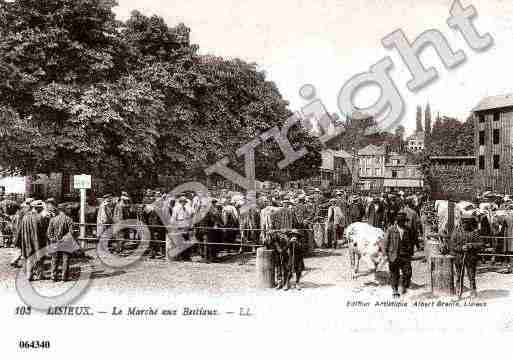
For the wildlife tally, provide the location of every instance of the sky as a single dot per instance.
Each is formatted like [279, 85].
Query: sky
[326, 42]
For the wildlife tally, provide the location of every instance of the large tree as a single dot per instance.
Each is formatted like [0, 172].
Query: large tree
[64, 83]
[83, 92]
[213, 106]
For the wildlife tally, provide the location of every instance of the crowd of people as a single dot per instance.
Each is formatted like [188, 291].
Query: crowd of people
[41, 230]
[281, 220]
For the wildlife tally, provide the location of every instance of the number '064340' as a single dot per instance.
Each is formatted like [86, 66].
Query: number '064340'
[34, 344]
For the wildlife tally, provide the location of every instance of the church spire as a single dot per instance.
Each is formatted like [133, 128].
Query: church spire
[427, 119]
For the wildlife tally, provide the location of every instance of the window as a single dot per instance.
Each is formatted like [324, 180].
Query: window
[496, 136]
[394, 174]
[377, 171]
[496, 116]
[481, 163]
[481, 118]
[496, 160]
[481, 138]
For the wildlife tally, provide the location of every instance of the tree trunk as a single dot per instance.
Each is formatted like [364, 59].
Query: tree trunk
[264, 268]
[442, 275]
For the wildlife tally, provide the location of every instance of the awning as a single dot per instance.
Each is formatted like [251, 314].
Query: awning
[402, 182]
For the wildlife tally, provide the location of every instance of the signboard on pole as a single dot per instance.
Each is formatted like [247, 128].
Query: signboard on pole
[82, 181]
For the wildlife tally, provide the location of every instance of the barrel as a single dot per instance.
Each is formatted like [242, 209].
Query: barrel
[264, 268]
[442, 275]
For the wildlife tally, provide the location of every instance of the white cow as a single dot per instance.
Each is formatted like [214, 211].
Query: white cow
[364, 241]
[488, 206]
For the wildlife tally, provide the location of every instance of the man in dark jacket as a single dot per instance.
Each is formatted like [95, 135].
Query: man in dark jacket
[356, 210]
[58, 227]
[210, 231]
[465, 245]
[120, 214]
[399, 247]
[16, 223]
[151, 218]
[376, 215]
[413, 220]
[32, 237]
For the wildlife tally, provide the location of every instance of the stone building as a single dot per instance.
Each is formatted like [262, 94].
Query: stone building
[400, 175]
[493, 138]
[371, 160]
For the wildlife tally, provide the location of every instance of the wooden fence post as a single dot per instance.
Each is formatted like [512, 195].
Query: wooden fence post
[450, 218]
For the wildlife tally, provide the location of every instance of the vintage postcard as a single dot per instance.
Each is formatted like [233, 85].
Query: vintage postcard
[249, 178]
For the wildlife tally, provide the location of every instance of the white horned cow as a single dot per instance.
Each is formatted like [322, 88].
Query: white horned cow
[364, 241]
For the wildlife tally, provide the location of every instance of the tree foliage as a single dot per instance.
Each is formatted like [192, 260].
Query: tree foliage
[356, 136]
[451, 137]
[83, 92]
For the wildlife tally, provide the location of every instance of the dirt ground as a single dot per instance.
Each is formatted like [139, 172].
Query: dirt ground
[324, 269]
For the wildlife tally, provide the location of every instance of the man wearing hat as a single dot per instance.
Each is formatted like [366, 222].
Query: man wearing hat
[16, 224]
[465, 245]
[59, 226]
[121, 212]
[230, 217]
[50, 208]
[301, 212]
[392, 210]
[413, 219]
[181, 220]
[376, 213]
[399, 246]
[151, 218]
[104, 217]
[32, 237]
[356, 210]
[210, 231]
[335, 223]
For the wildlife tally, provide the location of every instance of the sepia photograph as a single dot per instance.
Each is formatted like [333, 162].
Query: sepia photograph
[191, 177]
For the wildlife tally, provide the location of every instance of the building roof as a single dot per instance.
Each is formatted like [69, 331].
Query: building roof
[492, 102]
[342, 153]
[372, 150]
